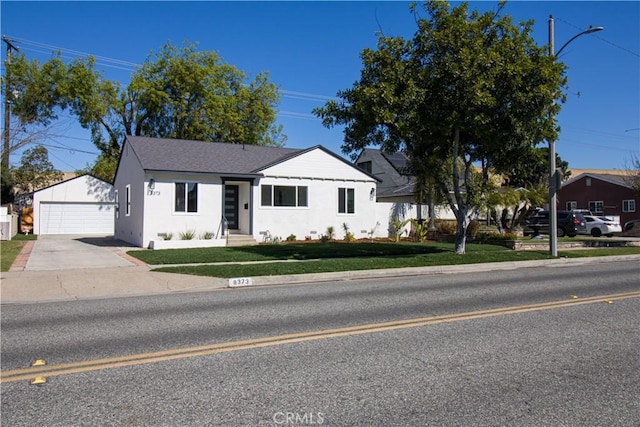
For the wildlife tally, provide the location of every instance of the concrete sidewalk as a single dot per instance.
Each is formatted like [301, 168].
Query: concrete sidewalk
[24, 287]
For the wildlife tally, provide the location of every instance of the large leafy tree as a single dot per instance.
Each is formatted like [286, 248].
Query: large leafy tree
[35, 170]
[177, 93]
[468, 89]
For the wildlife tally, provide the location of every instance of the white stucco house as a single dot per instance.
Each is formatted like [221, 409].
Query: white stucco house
[80, 205]
[175, 188]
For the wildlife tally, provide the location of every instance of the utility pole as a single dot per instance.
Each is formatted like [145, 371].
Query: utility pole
[7, 102]
[554, 175]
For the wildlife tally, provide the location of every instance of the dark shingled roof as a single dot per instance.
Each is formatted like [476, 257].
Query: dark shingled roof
[205, 157]
[397, 160]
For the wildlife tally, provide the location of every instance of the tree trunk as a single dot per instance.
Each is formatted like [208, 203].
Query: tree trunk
[461, 230]
[461, 236]
[432, 206]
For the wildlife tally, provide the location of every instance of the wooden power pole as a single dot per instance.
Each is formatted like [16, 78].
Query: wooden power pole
[7, 101]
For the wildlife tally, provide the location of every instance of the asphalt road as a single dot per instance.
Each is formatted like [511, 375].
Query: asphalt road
[525, 347]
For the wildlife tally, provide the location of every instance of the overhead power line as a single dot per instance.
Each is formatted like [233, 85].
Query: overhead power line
[600, 38]
[132, 66]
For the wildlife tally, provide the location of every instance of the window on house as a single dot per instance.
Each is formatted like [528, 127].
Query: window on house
[117, 197]
[365, 166]
[284, 195]
[588, 182]
[186, 197]
[572, 205]
[302, 196]
[346, 200]
[266, 199]
[127, 210]
[596, 207]
[629, 205]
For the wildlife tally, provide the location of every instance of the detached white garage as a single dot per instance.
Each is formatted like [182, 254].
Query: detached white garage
[81, 205]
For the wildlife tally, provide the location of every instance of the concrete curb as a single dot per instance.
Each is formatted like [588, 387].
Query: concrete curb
[427, 271]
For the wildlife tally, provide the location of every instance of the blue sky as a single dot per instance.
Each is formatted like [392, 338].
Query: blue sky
[311, 51]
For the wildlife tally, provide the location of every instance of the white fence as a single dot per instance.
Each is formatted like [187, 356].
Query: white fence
[8, 224]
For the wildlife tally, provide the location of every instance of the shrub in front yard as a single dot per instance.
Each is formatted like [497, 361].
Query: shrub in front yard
[188, 235]
[446, 226]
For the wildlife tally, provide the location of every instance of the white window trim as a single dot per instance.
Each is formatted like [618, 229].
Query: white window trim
[186, 200]
[127, 209]
[571, 205]
[346, 205]
[629, 202]
[595, 202]
[117, 198]
[273, 206]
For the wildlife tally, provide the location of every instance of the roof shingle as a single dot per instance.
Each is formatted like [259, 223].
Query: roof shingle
[180, 155]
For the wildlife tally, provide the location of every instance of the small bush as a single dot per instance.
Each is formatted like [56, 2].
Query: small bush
[348, 236]
[421, 230]
[307, 237]
[207, 235]
[275, 240]
[445, 226]
[324, 238]
[496, 236]
[397, 224]
[187, 235]
[291, 238]
[331, 233]
[166, 236]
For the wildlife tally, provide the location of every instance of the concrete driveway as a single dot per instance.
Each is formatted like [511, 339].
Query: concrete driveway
[68, 252]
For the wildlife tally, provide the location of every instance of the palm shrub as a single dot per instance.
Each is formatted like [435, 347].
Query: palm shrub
[398, 225]
[348, 236]
[421, 229]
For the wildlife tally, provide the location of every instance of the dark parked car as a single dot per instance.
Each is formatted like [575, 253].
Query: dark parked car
[569, 223]
[631, 224]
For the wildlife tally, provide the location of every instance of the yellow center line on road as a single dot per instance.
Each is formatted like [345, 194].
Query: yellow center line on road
[166, 355]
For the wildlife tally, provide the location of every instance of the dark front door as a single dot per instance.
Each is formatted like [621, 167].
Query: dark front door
[231, 206]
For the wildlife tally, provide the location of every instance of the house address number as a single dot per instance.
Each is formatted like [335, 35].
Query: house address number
[240, 281]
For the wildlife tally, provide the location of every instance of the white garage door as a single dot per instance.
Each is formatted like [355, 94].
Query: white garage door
[76, 218]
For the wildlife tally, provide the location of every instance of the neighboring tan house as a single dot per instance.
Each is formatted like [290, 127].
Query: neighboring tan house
[80, 205]
[208, 191]
[602, 194]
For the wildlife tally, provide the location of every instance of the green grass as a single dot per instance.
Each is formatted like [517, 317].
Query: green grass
[9, 249]
[339, 257]
[295, 251]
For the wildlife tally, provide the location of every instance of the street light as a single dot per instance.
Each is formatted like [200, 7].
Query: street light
[554, 178]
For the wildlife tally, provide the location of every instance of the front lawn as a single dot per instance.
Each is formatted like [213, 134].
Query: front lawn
[296, 251]
[9, 249]
[333, 257]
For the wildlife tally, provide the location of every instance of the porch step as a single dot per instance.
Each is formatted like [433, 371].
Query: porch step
[241, 240]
